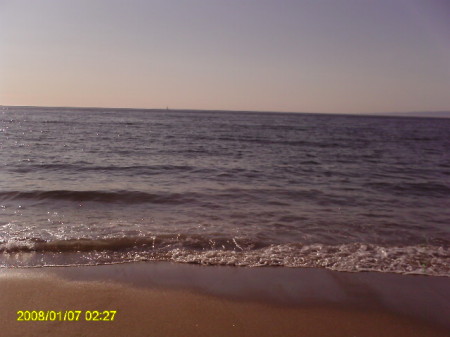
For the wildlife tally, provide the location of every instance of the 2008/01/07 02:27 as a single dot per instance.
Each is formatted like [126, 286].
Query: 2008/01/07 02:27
[66, 315]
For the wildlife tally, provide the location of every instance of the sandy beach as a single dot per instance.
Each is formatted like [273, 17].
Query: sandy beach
[164, 299]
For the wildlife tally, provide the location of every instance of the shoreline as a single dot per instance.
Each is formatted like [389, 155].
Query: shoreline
[169, 299]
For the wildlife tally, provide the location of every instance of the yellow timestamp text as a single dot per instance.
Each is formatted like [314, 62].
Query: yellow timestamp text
[66, 315]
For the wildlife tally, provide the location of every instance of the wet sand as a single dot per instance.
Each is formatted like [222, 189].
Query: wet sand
[164, 299]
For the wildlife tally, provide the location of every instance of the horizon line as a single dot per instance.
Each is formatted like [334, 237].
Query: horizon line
[387, 113]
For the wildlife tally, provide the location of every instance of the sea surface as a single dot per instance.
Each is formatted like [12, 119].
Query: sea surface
[97, 186]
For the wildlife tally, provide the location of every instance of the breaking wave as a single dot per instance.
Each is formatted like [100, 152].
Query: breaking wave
[353, 257]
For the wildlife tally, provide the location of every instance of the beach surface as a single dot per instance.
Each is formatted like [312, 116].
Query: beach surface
[167, 299]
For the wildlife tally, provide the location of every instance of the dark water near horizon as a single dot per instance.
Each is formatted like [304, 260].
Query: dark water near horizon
[351, 193]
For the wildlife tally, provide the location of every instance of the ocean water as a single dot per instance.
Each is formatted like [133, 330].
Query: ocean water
[97, 186]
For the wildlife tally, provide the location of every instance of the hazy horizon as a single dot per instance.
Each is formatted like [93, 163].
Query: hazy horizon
[350, 57]
[433, 114]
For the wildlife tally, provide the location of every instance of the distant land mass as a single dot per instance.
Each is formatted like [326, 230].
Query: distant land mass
[435, 114]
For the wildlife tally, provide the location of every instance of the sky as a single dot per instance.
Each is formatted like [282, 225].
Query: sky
[332, 56]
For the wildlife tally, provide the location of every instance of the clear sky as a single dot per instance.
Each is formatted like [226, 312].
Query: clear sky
[345, 56]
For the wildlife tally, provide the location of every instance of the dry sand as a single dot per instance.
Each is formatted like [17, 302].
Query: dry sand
[158, 311]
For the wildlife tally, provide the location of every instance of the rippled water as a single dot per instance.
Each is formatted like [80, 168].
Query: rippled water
[93, 186]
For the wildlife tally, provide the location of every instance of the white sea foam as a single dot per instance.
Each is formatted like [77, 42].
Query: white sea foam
[16, 245]
[349, 257]
[355, 257]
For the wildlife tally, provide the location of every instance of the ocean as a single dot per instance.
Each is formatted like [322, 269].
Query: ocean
[92, 186]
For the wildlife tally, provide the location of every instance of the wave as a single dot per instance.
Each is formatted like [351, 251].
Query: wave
[416, 188]
[86, 167]
[263, 141]
[203, 250]
[194, 242]
[132, 197]
[99, 196]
